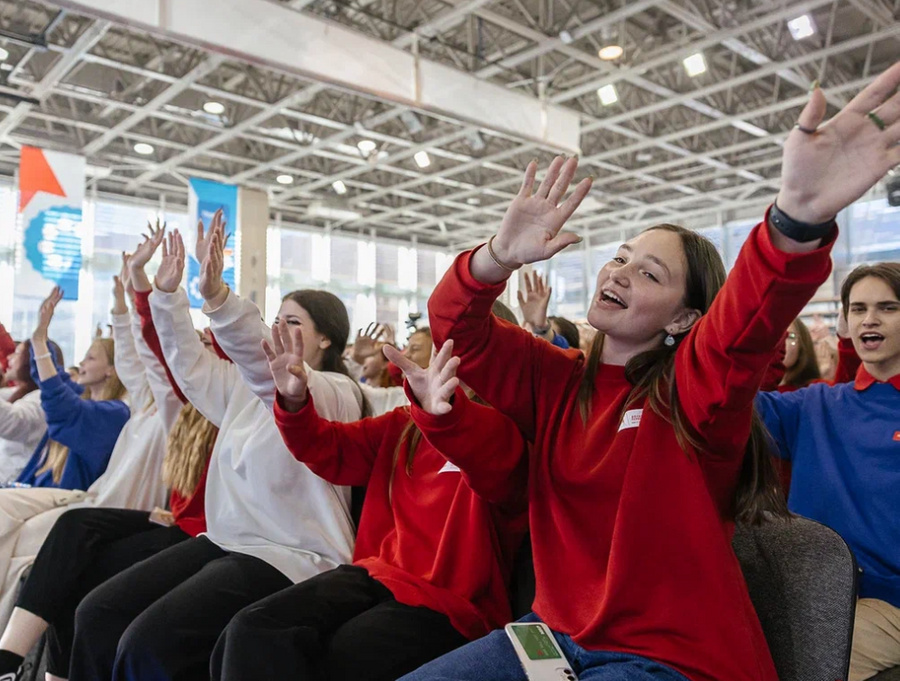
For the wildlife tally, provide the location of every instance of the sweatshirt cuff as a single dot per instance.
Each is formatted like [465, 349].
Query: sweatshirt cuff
[175, 299]
[123, 319]
[229, 311]
[436, 422]
[812, 266]
[296, 419]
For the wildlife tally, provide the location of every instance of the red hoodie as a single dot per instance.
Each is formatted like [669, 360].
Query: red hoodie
[432, 537]
[190, 511]
[631, 535]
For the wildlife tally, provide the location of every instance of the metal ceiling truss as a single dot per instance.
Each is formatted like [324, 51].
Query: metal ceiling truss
[672, 148]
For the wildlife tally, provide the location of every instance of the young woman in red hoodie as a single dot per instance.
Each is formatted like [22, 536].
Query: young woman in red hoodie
[434, 549]
[647, 451]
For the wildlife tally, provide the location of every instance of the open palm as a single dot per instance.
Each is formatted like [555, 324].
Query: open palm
[285, 355]
[434, 386]
[531, 227]
[171, 269]
[144, 252]
[45, 315]
[825, 172]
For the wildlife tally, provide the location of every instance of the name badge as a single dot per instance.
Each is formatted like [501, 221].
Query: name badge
[631, 419]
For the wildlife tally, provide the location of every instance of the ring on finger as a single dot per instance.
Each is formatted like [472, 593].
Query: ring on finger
[805, 130]
[876, 119]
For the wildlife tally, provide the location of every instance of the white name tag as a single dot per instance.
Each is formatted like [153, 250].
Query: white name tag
[449, 468]
[632, 419]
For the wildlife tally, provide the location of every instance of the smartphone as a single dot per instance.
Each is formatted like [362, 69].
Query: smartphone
[540, 655]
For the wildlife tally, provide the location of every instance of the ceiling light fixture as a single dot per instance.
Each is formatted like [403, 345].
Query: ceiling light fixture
[366, 146]
[566, 37]
[214, 108]
[143, 148]
[285, 179]
[327, 211]
[695, 64]
[4, 54]
[608, 94]
[643, 157]
[339, 187]
[422, 159]
[611, 52]
[802, 27]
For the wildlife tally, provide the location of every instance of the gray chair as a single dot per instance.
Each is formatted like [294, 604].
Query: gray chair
[802, 579]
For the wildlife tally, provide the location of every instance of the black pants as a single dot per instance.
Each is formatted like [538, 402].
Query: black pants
[161, 618]
[86, 547]
[338, 625]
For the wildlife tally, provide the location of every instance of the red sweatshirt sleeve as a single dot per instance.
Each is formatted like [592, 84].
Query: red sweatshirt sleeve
[7, 347]
[148, 332]
[848, 362]
[486, 446]
[501, 362]
[720, 365]
[776, 370]
[341, 453]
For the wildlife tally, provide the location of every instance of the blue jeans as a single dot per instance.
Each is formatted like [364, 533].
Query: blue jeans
[492, 658]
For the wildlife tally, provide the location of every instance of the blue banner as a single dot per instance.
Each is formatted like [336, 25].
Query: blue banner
[205, 198]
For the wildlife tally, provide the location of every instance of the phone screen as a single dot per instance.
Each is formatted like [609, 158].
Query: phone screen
[537, 643]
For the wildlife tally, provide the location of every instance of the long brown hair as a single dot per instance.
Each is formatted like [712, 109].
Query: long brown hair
[188, 450]
[329, 316]
[58, 453]
[806, 368]
[652, 373]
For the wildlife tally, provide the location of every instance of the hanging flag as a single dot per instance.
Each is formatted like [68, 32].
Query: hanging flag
[205, 197]
[51, 195]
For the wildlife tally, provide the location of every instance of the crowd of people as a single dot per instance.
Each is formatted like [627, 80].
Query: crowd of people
[264, 502]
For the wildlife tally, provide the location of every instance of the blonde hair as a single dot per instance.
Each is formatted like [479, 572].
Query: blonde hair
[187, 450]
[58, 453]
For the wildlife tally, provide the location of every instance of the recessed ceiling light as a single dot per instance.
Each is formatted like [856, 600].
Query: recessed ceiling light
[214, 108]
[643, 157]
[721, 180]
[339, 187]
[143, 148]
[566, 37]
[4, 54]
[611, 52]
[366, 146]
[422, 159]
[285, 179]
[608, 95]
[473, 201]
[802, 27]
[695, 64]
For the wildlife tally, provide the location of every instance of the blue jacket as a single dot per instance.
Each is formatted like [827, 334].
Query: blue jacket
[88, 428]
[843, 443]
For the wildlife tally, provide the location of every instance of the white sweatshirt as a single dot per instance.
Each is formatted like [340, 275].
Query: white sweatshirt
[260, 501]
[133, 477]
[22, 425]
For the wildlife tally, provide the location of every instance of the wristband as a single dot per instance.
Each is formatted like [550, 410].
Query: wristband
[541, 331]
[494, 257]
[45, 355]
[796, 230]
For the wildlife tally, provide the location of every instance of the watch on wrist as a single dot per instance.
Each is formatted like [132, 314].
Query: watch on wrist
[796, 230]
[541, 331]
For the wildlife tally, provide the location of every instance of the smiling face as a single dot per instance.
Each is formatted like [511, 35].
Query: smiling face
[419, 348]
[19, 369]
[314, 343]
[95, 368]
[873, 318]
[641, 293]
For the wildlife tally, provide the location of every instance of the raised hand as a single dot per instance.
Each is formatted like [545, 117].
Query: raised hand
[434, 386]
[203, 239]
[171, 269]
[45, 315]
[144, 252]
[285, 356]
[212, 285]
[535, 301]
[824, 172]
[365, 344]
[121, 284]
[531, 228]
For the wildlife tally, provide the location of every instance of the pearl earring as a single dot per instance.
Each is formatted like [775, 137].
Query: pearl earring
[670, 340]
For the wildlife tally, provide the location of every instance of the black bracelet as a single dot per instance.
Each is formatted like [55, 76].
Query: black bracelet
[796, 230]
